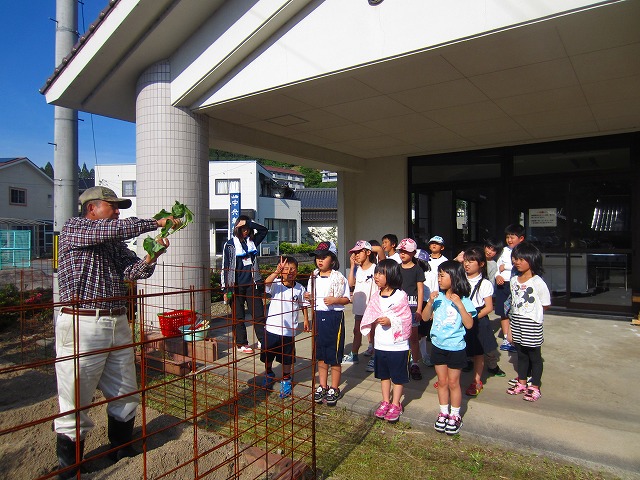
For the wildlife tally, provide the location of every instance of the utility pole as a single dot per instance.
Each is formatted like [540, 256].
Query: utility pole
[65, 127]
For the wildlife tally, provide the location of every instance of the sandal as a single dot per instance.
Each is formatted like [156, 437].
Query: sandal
[474, 389]
[533, 394]
[517, 389]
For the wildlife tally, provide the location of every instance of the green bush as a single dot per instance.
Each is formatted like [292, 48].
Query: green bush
[216, 290]
[287, 248]
[9, 297]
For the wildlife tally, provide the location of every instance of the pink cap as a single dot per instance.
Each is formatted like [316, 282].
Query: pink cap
[408, 245]
[361, 245]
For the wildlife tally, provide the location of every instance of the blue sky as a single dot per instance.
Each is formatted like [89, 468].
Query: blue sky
[26, 121]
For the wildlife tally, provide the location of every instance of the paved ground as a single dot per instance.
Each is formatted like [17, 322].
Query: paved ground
[587, 413]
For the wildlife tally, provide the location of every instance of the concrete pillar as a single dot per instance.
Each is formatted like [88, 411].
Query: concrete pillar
[172, 157]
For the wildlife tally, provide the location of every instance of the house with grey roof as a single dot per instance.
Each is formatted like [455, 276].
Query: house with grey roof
[319, 211]
[26, 202]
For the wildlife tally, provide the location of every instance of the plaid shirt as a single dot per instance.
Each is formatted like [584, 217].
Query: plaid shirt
[94, 261]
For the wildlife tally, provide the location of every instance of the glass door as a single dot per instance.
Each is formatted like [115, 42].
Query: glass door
[601, 235]
[541, 206]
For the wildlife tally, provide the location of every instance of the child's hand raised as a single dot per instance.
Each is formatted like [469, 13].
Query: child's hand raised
[281, 265]
[455, 298]
[352, 260]
[433, 296]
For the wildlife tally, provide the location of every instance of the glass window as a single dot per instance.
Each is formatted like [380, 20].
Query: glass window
[128, 188]
[226, 186]
[18, 196]
[287, 229]
[574, 162]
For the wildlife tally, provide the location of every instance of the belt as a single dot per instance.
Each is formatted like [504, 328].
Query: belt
[85, 312]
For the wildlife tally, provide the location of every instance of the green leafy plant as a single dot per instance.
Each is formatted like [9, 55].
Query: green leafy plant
[179, 210]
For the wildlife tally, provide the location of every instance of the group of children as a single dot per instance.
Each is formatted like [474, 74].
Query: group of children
[402, 295]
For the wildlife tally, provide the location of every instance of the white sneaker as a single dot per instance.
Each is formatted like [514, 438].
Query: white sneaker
[259, 345]
[245, 349]
[371, 366]
[350, 358]
[369, 351]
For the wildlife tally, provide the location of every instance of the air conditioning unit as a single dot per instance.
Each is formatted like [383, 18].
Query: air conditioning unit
[265, 250]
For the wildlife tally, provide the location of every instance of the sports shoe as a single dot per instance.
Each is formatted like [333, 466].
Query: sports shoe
[514, 381]
[382, 410]
[426, 360]
[474, 389]
[268, 380]
[393, 415]
[505, 345]
[371, 366]
[517, 389]
[468, 367]
[369, 351]
[320, 394]
[332, 396]
[453, 424]
[533, 394]
[441, 422]
[245, 349]
[350, 358]
[285, 388]
[496, 372]
[414, 371]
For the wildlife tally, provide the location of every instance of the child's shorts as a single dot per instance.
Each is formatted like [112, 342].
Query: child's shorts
[480, 338]
[330, 339]
[278, 347]
[502, 293]
[392, 365]
[453, 359]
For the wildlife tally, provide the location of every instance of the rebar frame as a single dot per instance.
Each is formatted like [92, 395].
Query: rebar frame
[205, 385]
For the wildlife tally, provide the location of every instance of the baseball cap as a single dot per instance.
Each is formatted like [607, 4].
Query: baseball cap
[324, 248]
[103, 193]
[437, 239]
[408, 245]
[361, 245]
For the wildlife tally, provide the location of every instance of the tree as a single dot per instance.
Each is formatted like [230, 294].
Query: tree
[312, 177]
[48, 169]
[84, 172]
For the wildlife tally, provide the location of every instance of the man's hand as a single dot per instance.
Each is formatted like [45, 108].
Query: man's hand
[162, 241]
[163, 221]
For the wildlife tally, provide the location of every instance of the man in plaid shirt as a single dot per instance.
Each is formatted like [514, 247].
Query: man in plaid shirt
[94, 261]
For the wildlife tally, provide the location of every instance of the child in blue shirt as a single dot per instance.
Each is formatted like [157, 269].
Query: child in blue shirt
[452, 311]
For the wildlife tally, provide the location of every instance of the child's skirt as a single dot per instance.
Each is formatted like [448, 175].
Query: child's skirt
[526, 331]
[480, 338]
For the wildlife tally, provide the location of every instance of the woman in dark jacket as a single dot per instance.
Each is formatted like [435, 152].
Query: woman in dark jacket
[241, 277]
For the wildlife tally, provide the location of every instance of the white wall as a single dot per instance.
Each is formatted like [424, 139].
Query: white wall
[39, 192]
[246, 171]
[112, 176]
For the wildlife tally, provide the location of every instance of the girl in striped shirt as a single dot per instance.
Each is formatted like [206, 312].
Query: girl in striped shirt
[529, 298]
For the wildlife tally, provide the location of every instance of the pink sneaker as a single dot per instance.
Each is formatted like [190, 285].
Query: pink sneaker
[533, 394]
[382, 410]
[517, 389]
[393, 415]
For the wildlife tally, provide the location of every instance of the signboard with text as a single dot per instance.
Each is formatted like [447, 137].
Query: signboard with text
[234, 211]
[543, 217]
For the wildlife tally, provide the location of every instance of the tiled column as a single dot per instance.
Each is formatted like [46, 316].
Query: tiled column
[172, 156]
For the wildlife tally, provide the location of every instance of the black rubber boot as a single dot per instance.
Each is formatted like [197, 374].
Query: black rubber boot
[66, 451]
[119, 434]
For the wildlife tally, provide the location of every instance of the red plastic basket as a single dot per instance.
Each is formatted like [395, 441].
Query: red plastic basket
[171, 321]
